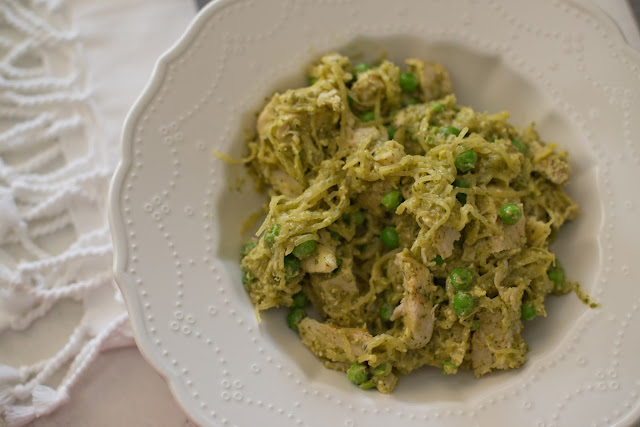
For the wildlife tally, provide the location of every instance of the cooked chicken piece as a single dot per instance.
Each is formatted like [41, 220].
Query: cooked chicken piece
[554, 168]
[267, 115]
[335, 288]
[333, 342]
[330, 99]
[444, 239]
[497, 343]
[434, 79]
[514, 236]
[283, 183]
[380, 83]
[363, 137]
[323, 260]
[367, 88]
[288, 114]
[387, 383]
[416, 310]
[551, 164]
[512, 297]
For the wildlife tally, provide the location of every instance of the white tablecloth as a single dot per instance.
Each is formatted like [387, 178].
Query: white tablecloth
[121, 40]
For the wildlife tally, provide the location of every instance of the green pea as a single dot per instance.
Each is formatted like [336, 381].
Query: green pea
[391, 131]
[448, 367]
[466, 161]
[380, 370]
[358, 374]
[461, 278]
[392, 200]
[312, 80]
[463, 304]
[304, 249]
[437, 107]
[438, 260]
[390, 238]
[247, 276]
[246, 248]
[556, 274]
[462, 197]
[300, 300]
[360, 68]
[408, 82]
[386, 310]
[461, 183]
[368, 116]
[270, 236]
[450, 130]
[519, 145]
[410, 101]
[295, 316]
[291, 267]
[357, 218]
[368, 385]
[510, 213]
[527, 311]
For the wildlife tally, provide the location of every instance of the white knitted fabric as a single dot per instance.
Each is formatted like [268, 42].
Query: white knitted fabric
[53, 181]
[56, 159]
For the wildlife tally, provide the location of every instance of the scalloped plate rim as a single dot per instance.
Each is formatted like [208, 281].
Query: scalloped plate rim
[123, 280]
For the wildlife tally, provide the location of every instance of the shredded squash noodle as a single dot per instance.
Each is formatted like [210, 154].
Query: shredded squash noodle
[402, 229]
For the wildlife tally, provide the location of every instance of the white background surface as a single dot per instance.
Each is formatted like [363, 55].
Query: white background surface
[121, 389]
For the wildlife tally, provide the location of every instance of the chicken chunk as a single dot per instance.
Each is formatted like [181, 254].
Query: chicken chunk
[283, 183]
[497, 343]
[549, 163]
[513, 236]
[363, 137]
[379, 83]
[265, 119]
[434, 79]
[444, 239]
[335, 288]
[416, 309]
[554, 168]
[323, 260]
[387, 383]
[333, 342]
[330, 99]
[368, 86]
[288, 114]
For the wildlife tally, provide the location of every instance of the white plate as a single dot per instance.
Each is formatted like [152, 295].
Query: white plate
[176, 218]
